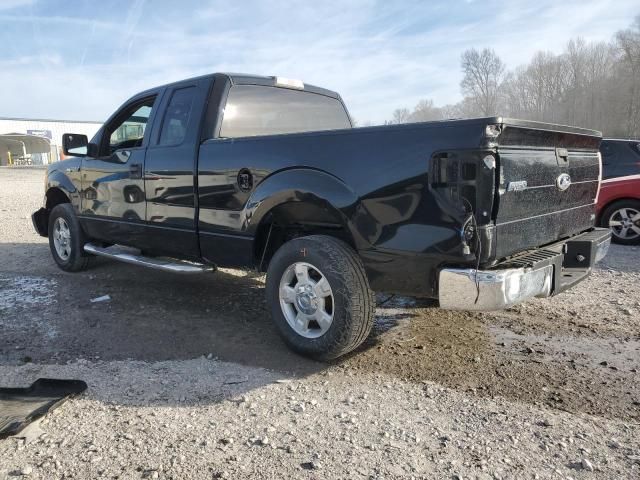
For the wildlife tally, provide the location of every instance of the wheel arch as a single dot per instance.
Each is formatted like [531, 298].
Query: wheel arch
[318, 204]
[59, 183]
[611, 202]
[55, 196]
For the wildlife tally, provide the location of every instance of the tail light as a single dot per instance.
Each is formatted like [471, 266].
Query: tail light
[599, 176]
[465, 180]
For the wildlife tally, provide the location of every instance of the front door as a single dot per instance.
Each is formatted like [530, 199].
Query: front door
[113, 198]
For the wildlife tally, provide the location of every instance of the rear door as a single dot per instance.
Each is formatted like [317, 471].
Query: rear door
[169, 174]
[113, 199]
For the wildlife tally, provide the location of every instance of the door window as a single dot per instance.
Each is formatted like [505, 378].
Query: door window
[176, 118]
[129, 128]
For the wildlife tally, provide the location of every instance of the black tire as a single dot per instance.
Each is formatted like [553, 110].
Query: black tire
[77, 258]
[610, 211]
[353, 301]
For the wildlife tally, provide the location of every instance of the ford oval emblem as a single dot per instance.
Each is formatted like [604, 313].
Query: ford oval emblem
[563, 182]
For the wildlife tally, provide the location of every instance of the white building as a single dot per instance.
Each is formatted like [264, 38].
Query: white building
[19, 150]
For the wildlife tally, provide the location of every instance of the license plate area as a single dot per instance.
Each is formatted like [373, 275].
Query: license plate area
[579, 254]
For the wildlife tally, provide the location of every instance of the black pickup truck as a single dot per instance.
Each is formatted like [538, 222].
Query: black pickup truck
[268, 173]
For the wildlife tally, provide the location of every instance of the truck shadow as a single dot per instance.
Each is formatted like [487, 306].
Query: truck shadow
[146, 315]
[145, 320]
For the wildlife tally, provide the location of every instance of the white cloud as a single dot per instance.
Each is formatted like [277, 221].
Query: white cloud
[10, 4]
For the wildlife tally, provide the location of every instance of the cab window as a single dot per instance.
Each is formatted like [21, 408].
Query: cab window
[129, 128]
[253, 110]
[176, 118]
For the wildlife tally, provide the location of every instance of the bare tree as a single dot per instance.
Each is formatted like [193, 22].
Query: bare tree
[628, 42]
[425, 111]
[593, 85]
[400, 115]
[483, 74]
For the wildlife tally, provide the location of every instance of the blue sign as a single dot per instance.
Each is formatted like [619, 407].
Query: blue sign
[40, 133]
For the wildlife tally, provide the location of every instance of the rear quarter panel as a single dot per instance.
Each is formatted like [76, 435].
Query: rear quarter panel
[386, 168]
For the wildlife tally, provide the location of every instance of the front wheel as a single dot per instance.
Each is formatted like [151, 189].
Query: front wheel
[623, 218]
[319, 296]
[66, 239]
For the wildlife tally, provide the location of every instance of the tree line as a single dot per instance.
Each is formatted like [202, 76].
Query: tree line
[593, 85]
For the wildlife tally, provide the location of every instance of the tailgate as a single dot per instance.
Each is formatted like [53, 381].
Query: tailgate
[547, 186]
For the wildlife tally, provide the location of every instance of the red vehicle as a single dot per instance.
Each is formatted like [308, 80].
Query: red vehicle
[619, 200]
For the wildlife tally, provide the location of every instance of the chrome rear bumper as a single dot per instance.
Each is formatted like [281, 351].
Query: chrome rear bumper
[469, 289]
[540, 273]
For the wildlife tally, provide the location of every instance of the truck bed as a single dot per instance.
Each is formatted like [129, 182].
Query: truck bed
[391, 172]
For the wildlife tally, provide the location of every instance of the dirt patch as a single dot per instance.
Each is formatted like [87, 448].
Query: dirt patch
[579, 362]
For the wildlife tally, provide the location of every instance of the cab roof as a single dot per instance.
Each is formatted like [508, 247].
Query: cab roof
[247, 79]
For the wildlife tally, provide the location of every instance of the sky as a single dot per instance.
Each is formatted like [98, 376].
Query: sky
[79, 60]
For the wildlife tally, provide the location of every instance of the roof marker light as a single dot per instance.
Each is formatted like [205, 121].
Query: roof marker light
[289, 83]
[492, 131]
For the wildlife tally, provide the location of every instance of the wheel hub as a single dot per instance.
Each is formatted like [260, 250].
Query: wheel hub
[62, 238]
[306, 299]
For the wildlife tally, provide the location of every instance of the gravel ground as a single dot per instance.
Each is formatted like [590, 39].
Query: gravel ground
[188, 379]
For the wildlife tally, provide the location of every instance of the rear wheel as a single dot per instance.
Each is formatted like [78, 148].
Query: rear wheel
[319, 296]
[623, 218]
[66, 239]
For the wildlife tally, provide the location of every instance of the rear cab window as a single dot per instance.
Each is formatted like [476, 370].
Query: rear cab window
[253, 110]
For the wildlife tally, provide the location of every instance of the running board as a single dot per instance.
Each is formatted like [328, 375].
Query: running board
[133, 256]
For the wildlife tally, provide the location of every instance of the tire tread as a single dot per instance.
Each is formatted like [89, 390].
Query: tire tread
[357, 298]
[79, 259]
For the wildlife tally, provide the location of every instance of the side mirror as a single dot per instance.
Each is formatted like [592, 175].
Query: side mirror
[76, 145]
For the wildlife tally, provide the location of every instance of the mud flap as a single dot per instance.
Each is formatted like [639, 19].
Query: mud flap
[21, 406]
[40, 221]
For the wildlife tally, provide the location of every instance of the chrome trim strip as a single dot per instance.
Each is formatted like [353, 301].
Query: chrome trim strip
[553, 185]
[545, 214]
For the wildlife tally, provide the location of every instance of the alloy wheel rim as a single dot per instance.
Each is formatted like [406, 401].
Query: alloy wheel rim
[625, 223]
[306, 300]
[62, 238]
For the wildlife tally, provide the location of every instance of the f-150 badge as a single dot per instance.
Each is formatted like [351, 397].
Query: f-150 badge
[516, 186]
